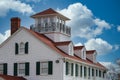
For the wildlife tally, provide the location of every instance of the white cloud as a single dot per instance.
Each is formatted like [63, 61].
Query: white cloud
[83, 22]
[116, 47]
[79, 44]
[32, 0]
[106, 64]
[111, 66]
[118, 62]
[4, 36]
[15, 5]
[101, 46]
[118, 28]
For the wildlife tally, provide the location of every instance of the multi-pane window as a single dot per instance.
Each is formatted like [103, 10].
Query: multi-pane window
[89, 72]
[1, 68]
[81, 71]
[76, 70]
[96, 72]
[84, 54]
[22, 47]
[71, 49]
[44, 68]
[68, 68]
[21, 68]
[99, 73]
[85, 71]
[72, 70]
[92, 72]
[104, 74]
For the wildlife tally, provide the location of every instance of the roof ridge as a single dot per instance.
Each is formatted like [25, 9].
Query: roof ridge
[52, 45]
[78, 47]
[90, 51]
[62, 43]
[49, 11]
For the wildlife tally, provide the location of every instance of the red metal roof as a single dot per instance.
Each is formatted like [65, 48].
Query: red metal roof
[8, 77]
[62, 43]
[90, 52]
[49, 11]
[52, 45]
[78, 47]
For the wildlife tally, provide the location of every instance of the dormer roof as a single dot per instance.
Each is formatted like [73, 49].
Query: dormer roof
[90, 52]
[52, 45]
[62, 43]
[78, 47]
[8, 77]
[49, 11]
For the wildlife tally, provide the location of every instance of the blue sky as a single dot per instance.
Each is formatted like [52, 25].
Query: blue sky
[95, 24]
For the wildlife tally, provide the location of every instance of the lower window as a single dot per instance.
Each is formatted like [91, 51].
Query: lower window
[1, 68]
[44, 68]
[21, 68]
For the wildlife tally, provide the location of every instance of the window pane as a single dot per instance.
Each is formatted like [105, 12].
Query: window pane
[81, 71]
[92, 72]
[22, 47]
[44, 70]
[69, 68]
[21, 71]
[1, 68]
[44, 67]
[21, 68]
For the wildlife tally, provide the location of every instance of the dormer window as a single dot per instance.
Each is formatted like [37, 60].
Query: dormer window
[91, 55]
[84, 54]
[94, 57]
[71, 49]
[66, 46]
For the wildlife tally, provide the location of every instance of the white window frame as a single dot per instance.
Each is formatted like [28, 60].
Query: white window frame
[22, 48]
[69, 68]
[1, 68]
[83, 54]
[70, 49]
[19, 69]
[44, 67]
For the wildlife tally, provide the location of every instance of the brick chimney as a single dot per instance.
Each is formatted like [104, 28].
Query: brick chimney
[15, 24]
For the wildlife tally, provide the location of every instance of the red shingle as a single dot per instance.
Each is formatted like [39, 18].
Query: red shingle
[90, 52]
[62, 43]
[8, 77]
[52, 45]
[78, 47]
[49, 11]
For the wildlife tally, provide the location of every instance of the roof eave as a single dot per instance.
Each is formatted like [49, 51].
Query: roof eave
[35, 16]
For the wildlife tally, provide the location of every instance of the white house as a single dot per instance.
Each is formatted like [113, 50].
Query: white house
[45, 51]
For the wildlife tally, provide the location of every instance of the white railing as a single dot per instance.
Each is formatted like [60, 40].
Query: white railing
[51, 27]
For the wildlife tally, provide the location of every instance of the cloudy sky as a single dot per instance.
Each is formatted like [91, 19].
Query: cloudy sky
[95, 24]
